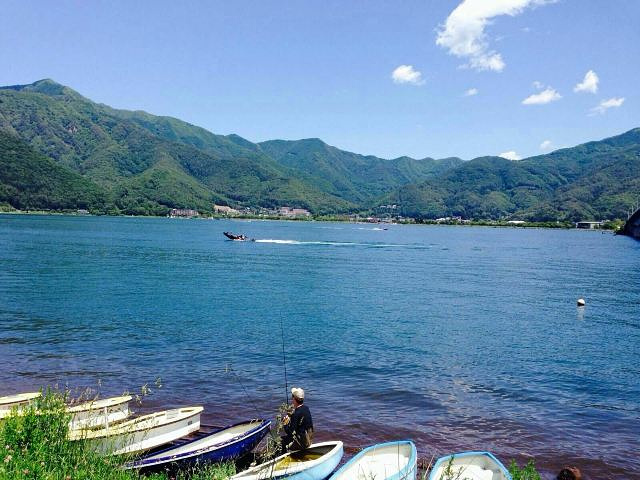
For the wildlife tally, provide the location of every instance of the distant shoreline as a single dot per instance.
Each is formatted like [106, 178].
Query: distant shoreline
[610, 226]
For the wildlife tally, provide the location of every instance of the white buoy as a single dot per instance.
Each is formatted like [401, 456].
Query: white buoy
[581, 302]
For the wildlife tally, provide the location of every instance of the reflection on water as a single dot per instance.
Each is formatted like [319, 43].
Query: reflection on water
[459, 338]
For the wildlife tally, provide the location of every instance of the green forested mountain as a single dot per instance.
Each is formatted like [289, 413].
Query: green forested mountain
[29, 180]
[59, 150]
[595, 180]
[148, 164]
[354, 177]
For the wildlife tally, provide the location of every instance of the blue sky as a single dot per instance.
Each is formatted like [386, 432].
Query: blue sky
[299, 69]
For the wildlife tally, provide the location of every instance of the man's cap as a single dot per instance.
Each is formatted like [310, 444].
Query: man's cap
[298, 393]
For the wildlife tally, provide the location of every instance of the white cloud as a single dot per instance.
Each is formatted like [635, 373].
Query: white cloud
[546, 145]
[463, 32]
[605, 105]
[510, 155]
[546, 96]
[407, 74]
[471, 92]
[589, 84]
[538, 85]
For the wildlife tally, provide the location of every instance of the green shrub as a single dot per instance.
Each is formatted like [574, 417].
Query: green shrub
[34, 446]
[528, 472]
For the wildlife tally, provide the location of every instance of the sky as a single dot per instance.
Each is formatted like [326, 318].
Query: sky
[425, 78]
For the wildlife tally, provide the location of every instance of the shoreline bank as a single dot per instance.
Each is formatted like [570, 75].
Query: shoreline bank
[610, 226]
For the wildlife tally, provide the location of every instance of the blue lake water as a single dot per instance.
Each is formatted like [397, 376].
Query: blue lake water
[457, 337]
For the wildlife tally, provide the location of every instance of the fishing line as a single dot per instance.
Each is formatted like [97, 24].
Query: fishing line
[284, 362]
[229, 369]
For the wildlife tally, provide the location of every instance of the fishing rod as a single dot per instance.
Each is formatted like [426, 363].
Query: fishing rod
[284, 362]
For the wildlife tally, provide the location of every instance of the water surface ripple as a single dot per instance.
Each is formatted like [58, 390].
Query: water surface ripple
[460, 338]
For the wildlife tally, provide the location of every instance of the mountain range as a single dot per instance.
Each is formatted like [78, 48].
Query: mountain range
[61, 151]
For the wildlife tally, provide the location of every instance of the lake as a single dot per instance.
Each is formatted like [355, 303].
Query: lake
[457, 337]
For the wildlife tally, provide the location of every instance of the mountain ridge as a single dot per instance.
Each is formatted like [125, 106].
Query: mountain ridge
[145, 163]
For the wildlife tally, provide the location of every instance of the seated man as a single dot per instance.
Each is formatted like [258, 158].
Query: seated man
[298, 427]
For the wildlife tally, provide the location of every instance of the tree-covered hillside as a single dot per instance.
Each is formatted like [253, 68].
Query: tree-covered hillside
[29, 180]
[60, 150]
[150, 163]
[597, 180]
[357, 178]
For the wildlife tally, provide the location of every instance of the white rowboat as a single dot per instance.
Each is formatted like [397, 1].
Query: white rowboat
[84, 415]
[99, 412]
[142, 433]
[314, 463]
[469, 466]
[384, 461]
[20, 401]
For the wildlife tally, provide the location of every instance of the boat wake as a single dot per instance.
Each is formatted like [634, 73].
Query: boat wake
[339, 244]
[283, 242]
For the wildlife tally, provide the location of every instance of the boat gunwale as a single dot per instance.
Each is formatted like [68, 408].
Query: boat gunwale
[95, 404]
[286, 472]
[473, 453]
[121, 428]
[400, 474]
[144, 462]
[18, 398]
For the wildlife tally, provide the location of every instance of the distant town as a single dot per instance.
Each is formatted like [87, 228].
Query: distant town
[385, 214]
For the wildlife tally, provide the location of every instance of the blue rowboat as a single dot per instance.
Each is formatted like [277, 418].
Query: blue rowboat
[206, 446]
[469, 465]
[315, 463]
[384, 461]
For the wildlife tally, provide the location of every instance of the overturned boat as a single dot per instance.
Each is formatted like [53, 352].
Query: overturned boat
[142, 433]
[205, 446]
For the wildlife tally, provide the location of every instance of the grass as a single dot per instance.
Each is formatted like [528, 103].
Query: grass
[34, 446]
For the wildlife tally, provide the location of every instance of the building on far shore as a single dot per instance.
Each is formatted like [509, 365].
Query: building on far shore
[183, 213]
[293, 212]
[589, 225]
[225, 210]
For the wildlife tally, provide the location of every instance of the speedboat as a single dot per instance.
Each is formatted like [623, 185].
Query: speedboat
[238, 238]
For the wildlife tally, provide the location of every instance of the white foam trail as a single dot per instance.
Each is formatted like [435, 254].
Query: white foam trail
[283, 242]
[339, 244]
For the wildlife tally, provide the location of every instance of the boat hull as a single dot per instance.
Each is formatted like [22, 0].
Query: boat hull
[18, 401]
[383, 461]
[471, 466]
[323, 459]
[141, 434]
[207, 447]
[99, 412]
